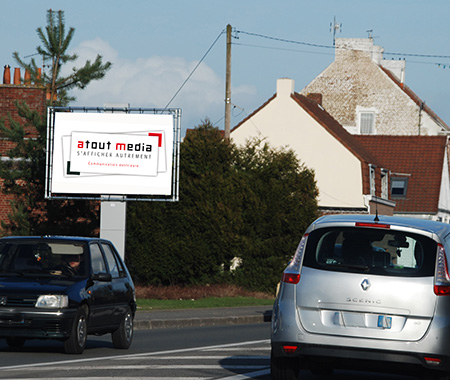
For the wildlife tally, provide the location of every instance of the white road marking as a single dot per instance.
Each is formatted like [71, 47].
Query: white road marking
[122, 378]
[142, 355]
[153, 366]
[237, 357]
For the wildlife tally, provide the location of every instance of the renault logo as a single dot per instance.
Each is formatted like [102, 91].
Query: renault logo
[365, 284]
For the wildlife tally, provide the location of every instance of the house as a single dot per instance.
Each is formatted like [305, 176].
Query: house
[349, 177]
[419, 173]
[401, 175]
[15, 89]
[367, 94]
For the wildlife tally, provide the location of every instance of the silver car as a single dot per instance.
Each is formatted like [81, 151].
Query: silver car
[366, 293]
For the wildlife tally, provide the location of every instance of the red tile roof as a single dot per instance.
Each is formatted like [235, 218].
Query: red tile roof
[420, 157]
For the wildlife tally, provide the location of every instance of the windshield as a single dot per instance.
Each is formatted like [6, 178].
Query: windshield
[46, 258]
[369, 250]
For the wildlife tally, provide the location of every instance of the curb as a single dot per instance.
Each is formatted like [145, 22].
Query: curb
[149, 324]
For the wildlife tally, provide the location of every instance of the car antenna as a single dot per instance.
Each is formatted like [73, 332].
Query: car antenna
[377, 219]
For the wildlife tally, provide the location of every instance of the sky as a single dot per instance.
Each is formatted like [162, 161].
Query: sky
[172, 53]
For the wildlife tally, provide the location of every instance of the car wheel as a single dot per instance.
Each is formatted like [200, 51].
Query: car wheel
[282, 368]
[15, 342]
[123, 336]
[76, 342]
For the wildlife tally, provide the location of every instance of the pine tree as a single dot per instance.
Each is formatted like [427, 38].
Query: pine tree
[23, 172]
[55, 45]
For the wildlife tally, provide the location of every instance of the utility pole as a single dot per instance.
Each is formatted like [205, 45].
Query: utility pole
[228, 87]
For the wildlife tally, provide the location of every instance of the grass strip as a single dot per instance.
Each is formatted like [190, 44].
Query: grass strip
[208, 302]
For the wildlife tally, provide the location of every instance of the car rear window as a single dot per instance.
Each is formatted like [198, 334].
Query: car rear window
[369, 250]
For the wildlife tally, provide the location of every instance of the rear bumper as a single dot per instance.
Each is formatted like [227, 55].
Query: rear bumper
[41, 324]
[361, 359]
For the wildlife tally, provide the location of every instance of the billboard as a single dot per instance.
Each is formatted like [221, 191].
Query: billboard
[99, 153]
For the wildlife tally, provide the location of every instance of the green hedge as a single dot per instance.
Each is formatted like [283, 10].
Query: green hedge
[251, 202]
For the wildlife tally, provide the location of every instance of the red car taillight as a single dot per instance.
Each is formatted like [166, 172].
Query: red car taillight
[289, 349]
[291, 275]
[373, 225]
[291, 278]
[442, 279]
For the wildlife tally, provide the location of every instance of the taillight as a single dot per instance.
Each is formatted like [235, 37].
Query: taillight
[442, 279]
[372, 225]
[289, 349]
[291, 278]
[432, 361]
[291, 275]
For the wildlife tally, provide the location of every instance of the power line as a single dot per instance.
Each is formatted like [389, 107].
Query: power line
[281, 49]
[438, 64]
[195, 68]
[333, 47]
[284, 40]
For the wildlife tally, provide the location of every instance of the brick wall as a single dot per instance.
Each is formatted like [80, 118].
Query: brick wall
[32, 95]
[35, 98]
[355, 81]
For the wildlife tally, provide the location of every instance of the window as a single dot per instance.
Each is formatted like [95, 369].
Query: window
[366, 118]
[113, 265]
[399, 186]
[384, 183]
[370, 251]
[372, 180]
[97, 261]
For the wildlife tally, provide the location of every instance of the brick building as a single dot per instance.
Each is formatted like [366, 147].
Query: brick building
[14, 89]
[367, 94]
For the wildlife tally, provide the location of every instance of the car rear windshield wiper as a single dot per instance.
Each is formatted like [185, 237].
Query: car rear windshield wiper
[362, 268]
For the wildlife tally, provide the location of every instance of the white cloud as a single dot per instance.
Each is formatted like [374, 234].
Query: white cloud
[152, 82]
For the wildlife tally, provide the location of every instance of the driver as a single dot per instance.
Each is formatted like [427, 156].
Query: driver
[73, 264]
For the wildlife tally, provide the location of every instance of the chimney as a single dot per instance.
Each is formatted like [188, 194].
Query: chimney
[27, 78]
[16, 75]
[7, 75]
[315, 97]
[285, 87]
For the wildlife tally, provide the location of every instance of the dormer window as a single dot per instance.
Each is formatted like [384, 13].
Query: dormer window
[384, 183]
[399, 187]
[372, 180]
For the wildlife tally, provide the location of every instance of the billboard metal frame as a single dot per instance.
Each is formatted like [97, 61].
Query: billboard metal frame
[175, 112]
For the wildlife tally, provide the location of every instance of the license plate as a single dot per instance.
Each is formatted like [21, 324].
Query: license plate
[384, 322]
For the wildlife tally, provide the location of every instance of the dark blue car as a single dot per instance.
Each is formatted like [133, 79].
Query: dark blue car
[64, 288]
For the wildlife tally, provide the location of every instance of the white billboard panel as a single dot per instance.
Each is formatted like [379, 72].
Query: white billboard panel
[112, 153]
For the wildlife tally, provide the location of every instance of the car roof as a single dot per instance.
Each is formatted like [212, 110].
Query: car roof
[430, 226]
[55, 237]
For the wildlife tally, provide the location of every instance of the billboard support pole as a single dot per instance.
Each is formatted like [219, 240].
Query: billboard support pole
[113, 217]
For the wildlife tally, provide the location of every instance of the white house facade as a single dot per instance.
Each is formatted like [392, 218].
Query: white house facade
[285, 121]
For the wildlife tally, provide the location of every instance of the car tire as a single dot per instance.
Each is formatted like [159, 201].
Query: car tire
[123, 336]
[76, 342]
[15, 342]
[282, 368]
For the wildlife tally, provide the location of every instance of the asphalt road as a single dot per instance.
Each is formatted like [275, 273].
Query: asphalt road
[196, 352]
[229, 352]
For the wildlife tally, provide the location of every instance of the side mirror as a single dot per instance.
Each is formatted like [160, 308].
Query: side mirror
[102, 276]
